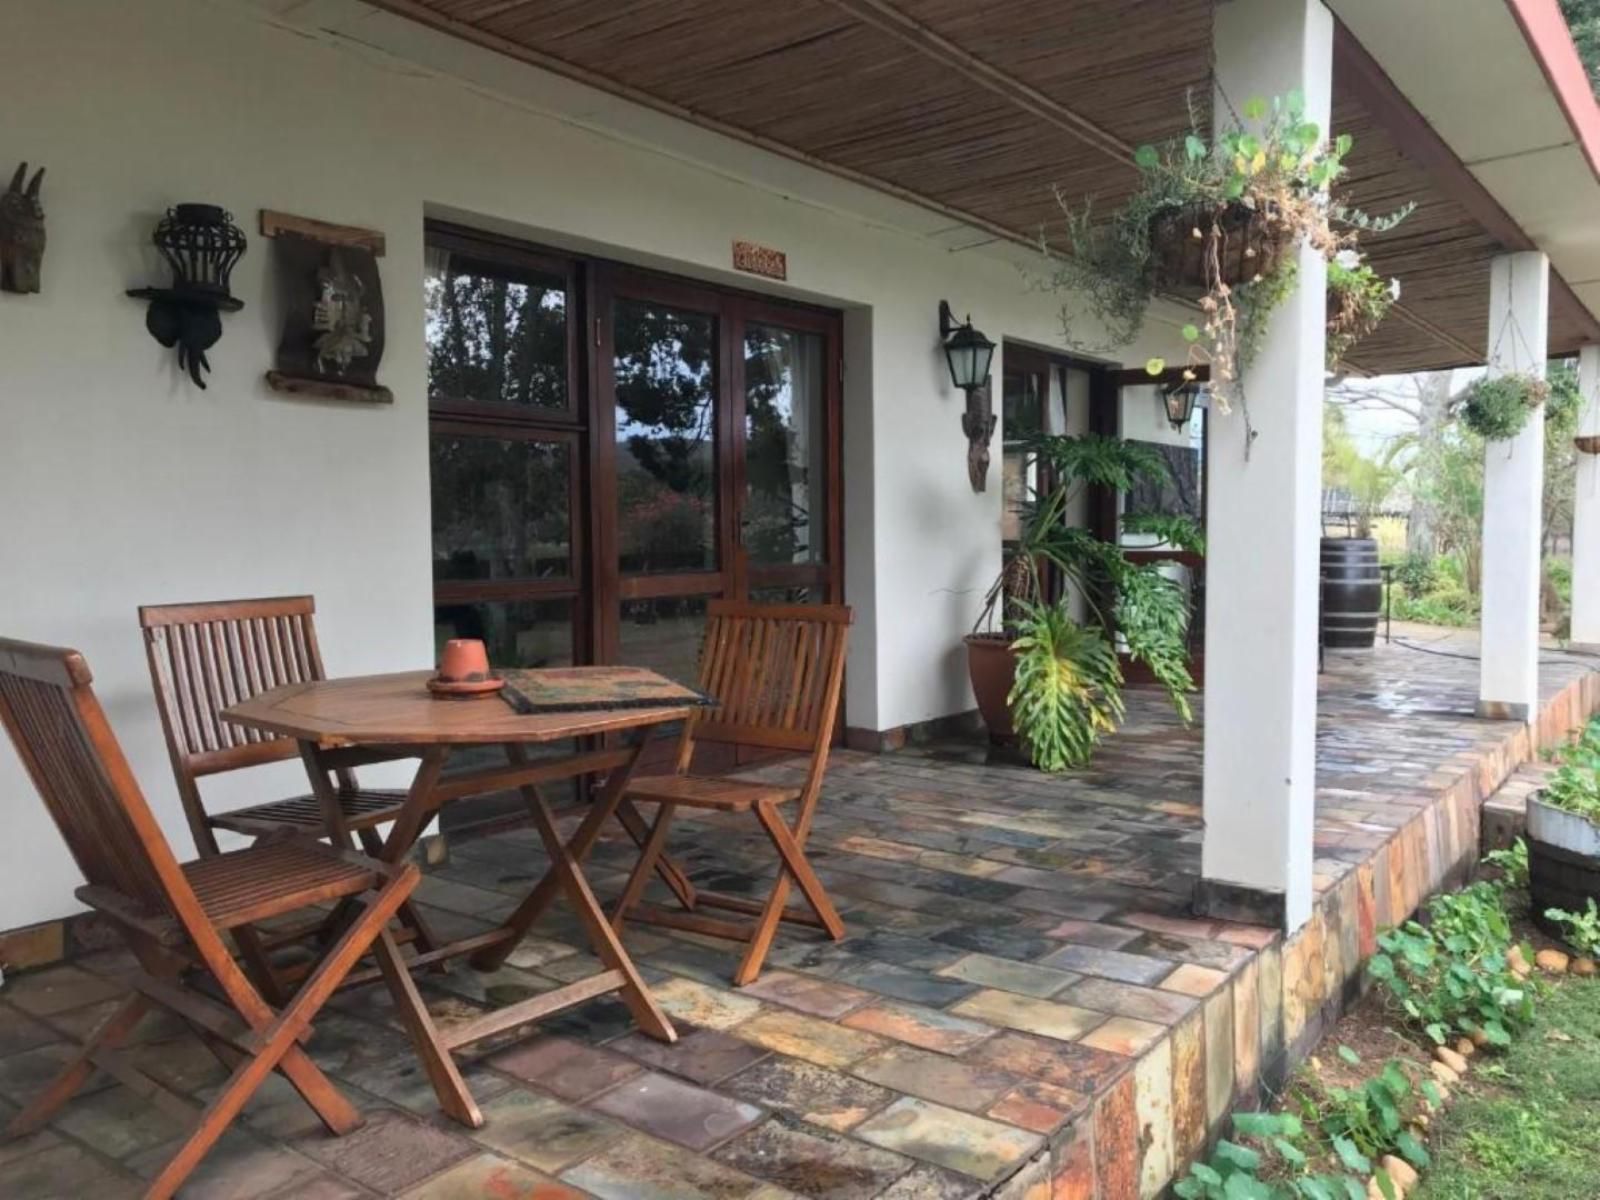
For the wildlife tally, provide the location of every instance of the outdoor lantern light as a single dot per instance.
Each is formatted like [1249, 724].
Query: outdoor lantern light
[968, 353]
[1179, 400]
[202, 245]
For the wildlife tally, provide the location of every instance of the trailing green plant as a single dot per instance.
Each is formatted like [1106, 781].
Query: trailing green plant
[1358, 301]
[1512, 864]
[1066, 700]
[1574, 786]
[1266, 177]
[1067, 689]
[1375, 1117]
[1498, 406]
[1581, 930]
[1453, 975]
[1272, 1159]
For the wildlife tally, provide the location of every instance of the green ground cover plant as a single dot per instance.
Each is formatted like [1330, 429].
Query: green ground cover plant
[1453, 975]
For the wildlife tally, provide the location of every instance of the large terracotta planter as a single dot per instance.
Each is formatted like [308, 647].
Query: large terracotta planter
[992, 667]
[1563, 861]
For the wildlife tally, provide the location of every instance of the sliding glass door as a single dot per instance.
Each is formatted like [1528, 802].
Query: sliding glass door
[611, 449]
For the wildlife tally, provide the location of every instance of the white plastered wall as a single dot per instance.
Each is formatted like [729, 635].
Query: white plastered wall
[122, 484]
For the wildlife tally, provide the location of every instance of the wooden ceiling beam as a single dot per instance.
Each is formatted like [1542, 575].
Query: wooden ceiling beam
[885, 18]
[1359, 74]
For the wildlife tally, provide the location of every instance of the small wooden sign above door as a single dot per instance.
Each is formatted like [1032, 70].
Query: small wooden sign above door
[760, 260]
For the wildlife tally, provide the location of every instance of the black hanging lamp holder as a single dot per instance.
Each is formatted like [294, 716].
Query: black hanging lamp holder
[201, 245]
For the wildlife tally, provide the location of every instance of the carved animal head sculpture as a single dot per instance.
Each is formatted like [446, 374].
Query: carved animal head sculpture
[21, 233]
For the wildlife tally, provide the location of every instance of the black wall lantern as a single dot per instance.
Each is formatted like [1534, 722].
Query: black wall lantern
[968, 355]
[1179, 400]
[202, 245]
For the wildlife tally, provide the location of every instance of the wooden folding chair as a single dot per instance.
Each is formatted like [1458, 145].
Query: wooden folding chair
[206, 656]
[174, 915]
[776, 672]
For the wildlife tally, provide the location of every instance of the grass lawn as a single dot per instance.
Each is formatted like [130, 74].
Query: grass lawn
[1528, 1127]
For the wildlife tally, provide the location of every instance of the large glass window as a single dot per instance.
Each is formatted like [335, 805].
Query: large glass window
[785, 450]
[501, 508]
[665, 380]
[496, 335]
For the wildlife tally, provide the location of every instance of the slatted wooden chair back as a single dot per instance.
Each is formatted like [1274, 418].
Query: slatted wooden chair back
[776, 672]
[50, 710]
[206, 656]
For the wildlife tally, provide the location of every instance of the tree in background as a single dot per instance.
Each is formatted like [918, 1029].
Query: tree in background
[1369, 482]
[1583, 19]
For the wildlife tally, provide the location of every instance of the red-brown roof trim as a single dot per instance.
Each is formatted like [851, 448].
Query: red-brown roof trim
[1550, 40]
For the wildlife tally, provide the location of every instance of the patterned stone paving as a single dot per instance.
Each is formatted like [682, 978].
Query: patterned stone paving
[1023, 1006]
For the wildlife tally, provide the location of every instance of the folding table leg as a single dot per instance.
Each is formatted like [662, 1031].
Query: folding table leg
[569, 876]
[604, 804]
[649, 853]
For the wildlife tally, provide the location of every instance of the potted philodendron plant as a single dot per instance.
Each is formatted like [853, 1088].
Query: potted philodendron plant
[1044, 677]
[1564, 834]
[1217, 222]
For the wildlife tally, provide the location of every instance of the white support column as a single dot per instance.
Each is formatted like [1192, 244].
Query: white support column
[1586, 510]
[1263, 531]
[1513, 496]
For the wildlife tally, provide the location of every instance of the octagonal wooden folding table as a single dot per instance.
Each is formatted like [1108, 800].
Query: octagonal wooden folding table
[348, 722]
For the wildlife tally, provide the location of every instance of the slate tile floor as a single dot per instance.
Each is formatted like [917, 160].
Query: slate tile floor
[1015, 943]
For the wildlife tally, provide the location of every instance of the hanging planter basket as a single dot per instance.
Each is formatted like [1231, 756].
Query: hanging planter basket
[1249, 242]
[1497, 408]
[1587, 443]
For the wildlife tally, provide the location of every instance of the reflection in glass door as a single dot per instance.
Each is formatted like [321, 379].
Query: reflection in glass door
[503, 454]
[612, 449]
[783, 521]
[666, 401]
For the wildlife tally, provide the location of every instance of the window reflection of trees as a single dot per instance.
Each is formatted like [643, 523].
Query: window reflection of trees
[783, 444]
[500, 508]
[493, 340]
[665, 398]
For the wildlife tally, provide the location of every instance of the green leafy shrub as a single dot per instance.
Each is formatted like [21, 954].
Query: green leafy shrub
[1574, 787]
[1417, 574]
[1271, 1160]
[1582, 930]
[1497, 407]
[1375, 1117]
[1512, 865]
[1452, 976]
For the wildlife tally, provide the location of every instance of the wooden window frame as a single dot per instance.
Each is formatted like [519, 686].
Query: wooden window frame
[597, 585]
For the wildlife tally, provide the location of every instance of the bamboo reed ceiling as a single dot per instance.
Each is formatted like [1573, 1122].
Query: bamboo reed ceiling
[980, 111]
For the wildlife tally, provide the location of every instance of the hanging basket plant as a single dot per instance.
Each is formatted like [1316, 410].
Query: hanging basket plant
[1358, 301]
[1245, 241]
[1587, 443]
[1497, 407]
[1215, 222]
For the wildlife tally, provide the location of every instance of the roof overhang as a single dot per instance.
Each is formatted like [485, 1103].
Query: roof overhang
[1500, 84]
[956, 123]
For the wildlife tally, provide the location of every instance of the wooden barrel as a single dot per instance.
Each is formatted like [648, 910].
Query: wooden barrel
[1352, 593]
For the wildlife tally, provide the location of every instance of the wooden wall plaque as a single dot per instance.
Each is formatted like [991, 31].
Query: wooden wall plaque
[762, 260]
